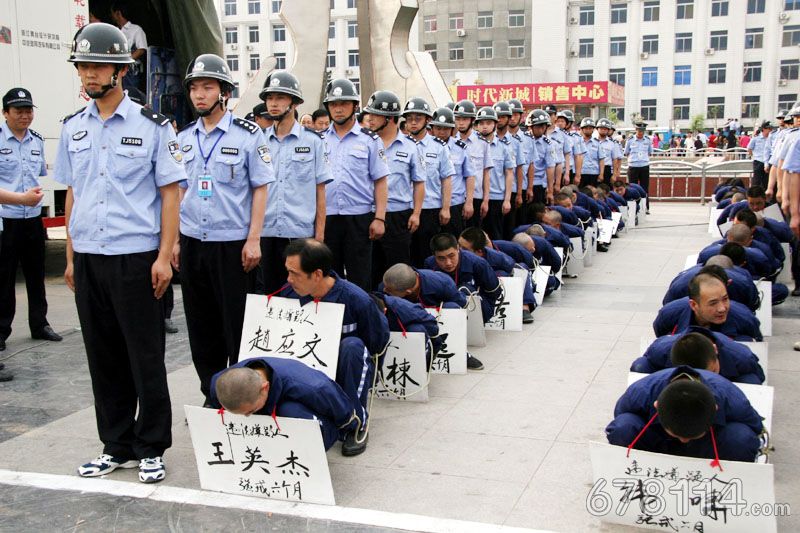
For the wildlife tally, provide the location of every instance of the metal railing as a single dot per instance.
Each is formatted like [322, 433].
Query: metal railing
[732, 154]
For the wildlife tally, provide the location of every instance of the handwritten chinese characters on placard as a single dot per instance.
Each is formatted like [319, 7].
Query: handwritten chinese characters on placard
[281, 327]
[405, 370]
[508, 312]
[452, 356]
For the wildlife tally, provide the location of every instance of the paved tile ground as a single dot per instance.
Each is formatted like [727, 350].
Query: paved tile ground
[505, 446]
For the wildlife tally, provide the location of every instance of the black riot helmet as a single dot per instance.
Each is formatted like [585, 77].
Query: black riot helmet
[341, 90]
[466, 109]
[450, 105]
[567, 114]
[537, 117]
[210, 66]
[383, 103]
[418, 105]
[503, 109]
[282, 82]
[443, 117]
[99, 42]
[516, 105]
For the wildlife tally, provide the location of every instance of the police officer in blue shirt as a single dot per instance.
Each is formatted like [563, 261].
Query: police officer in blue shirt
[758, 151]
[439, 172]
[502, 175]
[515, 124]
[564, 146]
[296, 201]
[355, 201]
[21, 164]
[638, 150]
[514, 146]
[222, 214]
[564, 120]
[478, 152]
[543, 160]
[594, 158]
[613, 151]
[406, 184]
[463, 181]
[121, 165]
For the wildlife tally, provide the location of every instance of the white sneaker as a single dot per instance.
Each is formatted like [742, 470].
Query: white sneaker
[105, 464]
[152, 470]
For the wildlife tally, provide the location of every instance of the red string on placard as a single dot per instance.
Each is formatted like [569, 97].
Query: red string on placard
[640, 434]
[402, 327]
[715, 462]
[316, 305]
[221, 413]
[275, 418]
[674, 329]
[270, 295]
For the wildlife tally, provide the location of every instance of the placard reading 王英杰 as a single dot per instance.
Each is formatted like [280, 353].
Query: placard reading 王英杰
[404, 375]
[508, 312]
[676, 494]
[452, 356]
[279, 459]
[281, 327]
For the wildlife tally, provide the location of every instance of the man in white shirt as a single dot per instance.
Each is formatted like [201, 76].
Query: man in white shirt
[137, 41]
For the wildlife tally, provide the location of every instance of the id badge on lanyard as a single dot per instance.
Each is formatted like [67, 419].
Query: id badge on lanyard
[205, 186]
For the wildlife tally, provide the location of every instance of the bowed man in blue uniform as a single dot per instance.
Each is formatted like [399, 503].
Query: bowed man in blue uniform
[406, 317]
[428, 288]
[740, 285]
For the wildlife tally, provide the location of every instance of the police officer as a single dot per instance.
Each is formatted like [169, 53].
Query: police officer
[463, 186]
[478, 152]
[563, 141]
[296, 201]
[121, 165]
[504, 112]
[439, 173]
[594, 158]
[758, 151]
[501, 179]
[612, 150]
[222, 214]
[564, 120]
[406, 184]
[526, 143]
[543, 160]
[355, 200]
[638, 150]
[21, 164]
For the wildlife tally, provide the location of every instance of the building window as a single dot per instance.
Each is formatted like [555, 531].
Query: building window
[485, 19]
[791, 35]
[719, 40]
[332, 30]
[352, 58]
[431, 49]
[756, 6]
[586, 48]
[586, 16]
[754, 38]
[430, 23]
[255, 62]
[752, 71]
[715, 107]
[716, 73]
[331, 59]
[231, 36]
[619, 111]
[685, 9]
[456, 52]
[276, 6]
[516, 19]
[279, 33]
[786, 101]
[235, 92]
[516, 49]
[586, 75]
[280, 61]
[352, 29]
[351, 4]
[619, 13]
[751, 106]
[789, 5]
[456, 21]
[618, 46]
[617, 75]
[233, 63]
[649, 76]
[485, 50]
[252, 33]
[789, 69]
[652, 11]
[719, 8]
[357, 83]
[683, 75]
[650, 44]
[230, 8]
[680, 109]
[683, 42]
[648, 109]
[253, 7]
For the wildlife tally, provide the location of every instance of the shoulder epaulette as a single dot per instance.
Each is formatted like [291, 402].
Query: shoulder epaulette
[440, 141]
[65, 119]
[189, 125]
[516, 136]
[315, 132]
[505, 141]
[36, 134]
[252, 127]
[158, 118]
[369, 132]
[529, 134]
[412, 139]
[461, 144]
[546, 139]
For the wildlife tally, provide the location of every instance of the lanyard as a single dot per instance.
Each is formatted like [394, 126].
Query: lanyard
[200, 148]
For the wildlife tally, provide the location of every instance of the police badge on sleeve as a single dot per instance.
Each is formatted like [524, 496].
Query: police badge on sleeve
[263, 153]
[175, 151]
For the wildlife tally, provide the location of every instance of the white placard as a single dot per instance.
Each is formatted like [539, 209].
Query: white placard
[761, 350]
[588, 246]
[785, 275]
[623, 209]
[764, 311]
[278, 459]
[723, 228]
[281, 327]
[476, 332]
[672, 493]
[760, 397]
[606, 228]
[541, 277]
[452, 356]
[632, 213]
[560, 252]
[575, 263]
[691, 260]
[508, 313]
[616, 218]
[405, 371]
[774, 212]
[713, 215]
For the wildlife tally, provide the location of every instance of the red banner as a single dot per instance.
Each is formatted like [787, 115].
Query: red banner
[540, 94]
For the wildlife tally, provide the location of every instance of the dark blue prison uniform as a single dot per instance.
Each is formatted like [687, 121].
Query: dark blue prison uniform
[566, 215]
[740, 287]
[404, 316]
[618, 198]
[547, 256]
[503, 265]
[676, 316]
[737, 425]
[365, 332]
[756, 262]
[736, 362]
[773, 263]
[765, 236]
[724, 203]
[572, 232]
[516, 251]
[587, 202]
[729, 213]
[299, 391]
[474, 274]
[780, 230]
[436, 289]
[722, 190]
[639, 189]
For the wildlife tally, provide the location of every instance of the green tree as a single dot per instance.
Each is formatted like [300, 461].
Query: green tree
[612, 116]
[697, 124]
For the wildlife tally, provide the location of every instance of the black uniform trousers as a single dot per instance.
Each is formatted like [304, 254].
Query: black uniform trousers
[510, 219]
[539, 197]
[421, 239]
[607, 172]
[475, 221]
[272, 269]
[760, 177]
[348, 238]
[641, 175]
[589, 179]
[215, 288]
[493, 223]
[394, 247]
[456, 224]
[22, 243]
[122, 324]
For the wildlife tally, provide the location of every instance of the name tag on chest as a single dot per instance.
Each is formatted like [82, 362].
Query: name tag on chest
[229, 151]
[205, 186]
[131, 141]
[302, 150]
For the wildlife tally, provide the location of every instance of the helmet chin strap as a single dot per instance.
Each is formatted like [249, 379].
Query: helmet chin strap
[385, 123]
[105, 88]
[486, 135]
[344, 121]
[465, 130]
[220, 102]
[279, 118]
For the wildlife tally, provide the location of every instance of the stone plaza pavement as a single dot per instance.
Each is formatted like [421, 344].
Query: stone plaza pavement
[496, 450]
